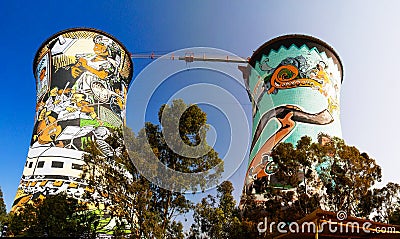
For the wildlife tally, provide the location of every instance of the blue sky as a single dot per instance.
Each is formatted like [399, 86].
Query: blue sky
[364, 33]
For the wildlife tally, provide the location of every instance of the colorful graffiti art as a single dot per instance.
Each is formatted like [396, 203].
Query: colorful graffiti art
[294, 84]
[82, 78]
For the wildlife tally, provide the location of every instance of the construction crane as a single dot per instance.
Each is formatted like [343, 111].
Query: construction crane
[190, 57]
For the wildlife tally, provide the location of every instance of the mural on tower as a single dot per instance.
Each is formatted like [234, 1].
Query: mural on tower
[294, 85]
[82, 78]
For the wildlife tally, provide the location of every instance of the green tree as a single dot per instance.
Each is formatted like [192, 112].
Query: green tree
[382, 203]
[251, 213]
[296, 171]
[350, 174]
[119, 192]
[394, 218]
[148, 210]
[54, 216]
[289, 194]
[217, 217]
[191, 122]
[332, 176]
[3, 212]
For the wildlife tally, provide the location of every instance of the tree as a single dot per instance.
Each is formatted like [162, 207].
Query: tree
[119, 192]
[350, 174]
[191, 122]
[394, 218]
[329, 175]
[53, 216]
[382, 203]
[296, 171]
[217, 217]
[139, 203]
[3, 212]
[332, 176]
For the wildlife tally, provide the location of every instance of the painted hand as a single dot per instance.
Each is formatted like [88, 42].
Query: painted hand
[83, 62]
[75, 72]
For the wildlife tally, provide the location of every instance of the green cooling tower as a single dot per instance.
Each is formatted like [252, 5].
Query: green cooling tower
[82, 78]
[294, 84]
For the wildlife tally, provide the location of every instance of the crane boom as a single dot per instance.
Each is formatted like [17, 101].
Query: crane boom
[190, 57]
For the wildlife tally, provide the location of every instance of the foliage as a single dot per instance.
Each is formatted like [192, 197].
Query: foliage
[292, 191]
[382, 203]
[331, 175]
[181, 146]
[138, 204]
[120, 192]
[3, 212]
[53, 216]
[394, 218]
[216, 217]
[350, 175]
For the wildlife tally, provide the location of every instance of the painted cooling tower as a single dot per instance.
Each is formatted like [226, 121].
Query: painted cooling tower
[294, 84]
[82, 77]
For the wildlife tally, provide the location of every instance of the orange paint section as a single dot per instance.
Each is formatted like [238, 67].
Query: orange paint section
[284, 77]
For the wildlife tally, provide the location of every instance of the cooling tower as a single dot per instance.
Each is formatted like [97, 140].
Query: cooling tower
[82, 77]
[294, 84]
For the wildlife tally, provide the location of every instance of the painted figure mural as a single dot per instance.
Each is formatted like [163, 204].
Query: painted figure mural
[294, 85]
[82, 78]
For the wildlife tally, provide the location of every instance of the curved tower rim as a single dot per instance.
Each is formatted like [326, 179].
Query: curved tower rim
[299, 40]
[79, 29]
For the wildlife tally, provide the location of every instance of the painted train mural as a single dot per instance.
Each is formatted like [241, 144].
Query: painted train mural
[294, 84]
[82, 78]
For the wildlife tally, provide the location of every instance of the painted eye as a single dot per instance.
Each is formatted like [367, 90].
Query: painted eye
[271, 168]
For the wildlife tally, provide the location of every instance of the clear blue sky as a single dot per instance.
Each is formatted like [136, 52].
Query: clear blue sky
[364, 33]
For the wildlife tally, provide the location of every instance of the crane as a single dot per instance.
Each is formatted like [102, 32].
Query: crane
[190, 57]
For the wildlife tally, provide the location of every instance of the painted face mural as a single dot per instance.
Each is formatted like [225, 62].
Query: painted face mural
[82, 78]
[294, 85]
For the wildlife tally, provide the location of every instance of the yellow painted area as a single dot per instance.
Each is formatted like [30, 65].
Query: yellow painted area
[73, 185]
[33, 184]
[43, 183]
[20, 193]
[58, 183]
[90, 190]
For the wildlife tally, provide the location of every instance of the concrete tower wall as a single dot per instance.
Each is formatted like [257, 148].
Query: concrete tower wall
[294, 85]
[82, 78]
